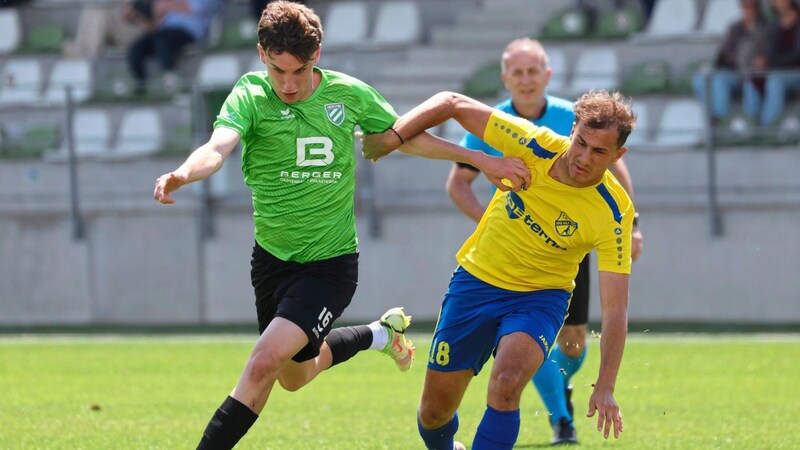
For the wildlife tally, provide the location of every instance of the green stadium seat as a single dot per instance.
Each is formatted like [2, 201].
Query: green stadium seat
[618, 23]
[647, 77]
[565, 25]
[36, 140]
[43, 38]
[484, 82]
[237, 35]
[683, 82]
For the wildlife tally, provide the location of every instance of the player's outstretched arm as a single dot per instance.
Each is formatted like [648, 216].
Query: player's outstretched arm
[202, 163]
[614, 303]
[470, 113]
[496, 168]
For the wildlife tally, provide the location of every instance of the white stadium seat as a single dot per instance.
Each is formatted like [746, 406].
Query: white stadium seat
[69, 72]
[91, 130]
[10, 30]
[596, 68]
[346, 24]
[20, 82]
[672, 18]
[558, 80]
[140, 133]
[719, 15]
[682, 124]
[398, 23]
[218, 71]
[640, 137]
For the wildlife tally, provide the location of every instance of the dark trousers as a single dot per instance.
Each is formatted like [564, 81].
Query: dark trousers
[165, 44]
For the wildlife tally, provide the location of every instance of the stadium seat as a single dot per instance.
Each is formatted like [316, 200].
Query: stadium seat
[647, 77]
[718, 16]
[346, 24]
[76, 73]
[618, 23]
[672, 18]
[10, 30]
[20, 82]
[558, 62]
[91, 132]
[596, 68]
[682, 124]
[220, 70]
[240, 34]
[43, 38]
[640, 137]
[140, 133]
[484, 82]
[397, 23]
[36, 140]
[566, 24]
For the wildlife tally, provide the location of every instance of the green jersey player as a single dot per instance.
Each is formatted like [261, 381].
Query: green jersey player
[296, 124]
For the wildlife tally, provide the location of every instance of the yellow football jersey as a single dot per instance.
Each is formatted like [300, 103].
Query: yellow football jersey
[535, 239]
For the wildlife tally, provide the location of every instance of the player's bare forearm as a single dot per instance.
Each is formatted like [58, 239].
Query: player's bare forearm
[614, 302]
[459, 188]
[496, 168]
[614, 305]
[201, 164]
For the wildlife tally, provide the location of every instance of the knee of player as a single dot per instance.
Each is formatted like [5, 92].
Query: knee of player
[508, 384]
[432, 417]
[263, 365]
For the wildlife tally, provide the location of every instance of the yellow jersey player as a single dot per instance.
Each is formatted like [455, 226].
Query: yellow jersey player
[510, 293]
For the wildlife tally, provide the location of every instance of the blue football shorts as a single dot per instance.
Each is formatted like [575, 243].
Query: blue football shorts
[475, 315]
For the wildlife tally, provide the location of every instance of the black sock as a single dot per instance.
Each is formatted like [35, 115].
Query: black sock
[345, 342]
[229, 424]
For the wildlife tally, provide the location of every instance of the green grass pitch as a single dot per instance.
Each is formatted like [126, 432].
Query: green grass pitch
[675, 391]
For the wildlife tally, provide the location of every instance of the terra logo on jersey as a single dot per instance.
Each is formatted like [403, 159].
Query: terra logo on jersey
[515, 208]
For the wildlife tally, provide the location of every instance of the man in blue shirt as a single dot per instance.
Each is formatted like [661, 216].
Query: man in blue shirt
[176, 24]
[525, 74]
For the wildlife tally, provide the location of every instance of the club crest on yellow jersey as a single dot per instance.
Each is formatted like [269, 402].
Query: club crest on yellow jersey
[565, 226]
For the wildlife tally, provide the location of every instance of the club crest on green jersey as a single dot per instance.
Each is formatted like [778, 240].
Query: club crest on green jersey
[335, 113]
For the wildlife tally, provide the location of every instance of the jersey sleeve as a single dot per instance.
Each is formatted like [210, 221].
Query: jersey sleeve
[236, 112]
[377, 114]
[514, 136]
[614, 239]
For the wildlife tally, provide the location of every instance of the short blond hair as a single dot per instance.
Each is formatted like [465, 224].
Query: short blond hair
[600, 109]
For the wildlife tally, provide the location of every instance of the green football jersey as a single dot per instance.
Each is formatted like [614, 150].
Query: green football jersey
[299, 161]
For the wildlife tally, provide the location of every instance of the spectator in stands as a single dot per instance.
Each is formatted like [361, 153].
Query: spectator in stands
[740, 53]
[176, 23]
[782, 59]
[108, 25]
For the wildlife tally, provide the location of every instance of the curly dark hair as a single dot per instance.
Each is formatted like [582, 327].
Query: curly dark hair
[290, 27]
[600, 109]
